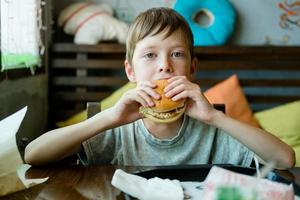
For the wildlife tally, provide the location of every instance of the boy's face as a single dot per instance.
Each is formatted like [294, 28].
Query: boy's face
[156, 57]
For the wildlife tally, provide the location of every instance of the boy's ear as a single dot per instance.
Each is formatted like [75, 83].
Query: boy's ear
[129, 71]
[193, 69]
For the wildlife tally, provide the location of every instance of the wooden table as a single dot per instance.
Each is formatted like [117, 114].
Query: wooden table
[93, 182]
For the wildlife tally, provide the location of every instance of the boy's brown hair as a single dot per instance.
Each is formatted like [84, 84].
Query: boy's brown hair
[155, 21]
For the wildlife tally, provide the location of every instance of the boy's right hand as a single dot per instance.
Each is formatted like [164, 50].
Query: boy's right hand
[126, 110]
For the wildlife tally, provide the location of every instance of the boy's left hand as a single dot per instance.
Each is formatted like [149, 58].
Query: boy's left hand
[198, 107]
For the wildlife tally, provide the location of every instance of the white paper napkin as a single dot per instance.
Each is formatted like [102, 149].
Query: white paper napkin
[152, 189]
[12, 169]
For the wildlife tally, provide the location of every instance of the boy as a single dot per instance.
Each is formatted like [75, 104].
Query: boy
[160, 46]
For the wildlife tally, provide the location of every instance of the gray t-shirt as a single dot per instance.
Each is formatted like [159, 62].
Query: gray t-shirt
[195, 143]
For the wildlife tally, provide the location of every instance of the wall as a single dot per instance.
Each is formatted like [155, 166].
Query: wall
[258, 22]
[30, 91]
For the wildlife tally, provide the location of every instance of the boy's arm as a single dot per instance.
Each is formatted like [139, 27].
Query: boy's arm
[262, 143]
[60, 143]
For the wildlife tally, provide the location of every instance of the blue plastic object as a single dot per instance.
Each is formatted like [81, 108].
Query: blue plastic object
[223, 18]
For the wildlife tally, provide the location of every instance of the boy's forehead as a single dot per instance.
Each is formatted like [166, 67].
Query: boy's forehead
[176, 39]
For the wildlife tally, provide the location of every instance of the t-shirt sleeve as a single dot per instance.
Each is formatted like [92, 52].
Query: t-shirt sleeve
[231, 151]
[100, 149]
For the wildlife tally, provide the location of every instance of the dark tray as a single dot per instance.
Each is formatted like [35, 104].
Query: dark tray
[199, 173]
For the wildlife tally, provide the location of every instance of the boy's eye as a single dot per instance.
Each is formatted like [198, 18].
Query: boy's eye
[149, 55]
[177, 54]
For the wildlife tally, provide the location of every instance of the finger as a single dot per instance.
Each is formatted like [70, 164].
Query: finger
[148, 87]
[181, 95]
[134, 95]
[140, 100]
[174, 78]
[175, 82]
[146, 98]
[176, 90]
[151, 92]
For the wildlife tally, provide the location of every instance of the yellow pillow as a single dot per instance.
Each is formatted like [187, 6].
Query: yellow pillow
[230, 93]
[105, 103]
[297, 152]
[79, 117]
[114, 97]
[284, 122]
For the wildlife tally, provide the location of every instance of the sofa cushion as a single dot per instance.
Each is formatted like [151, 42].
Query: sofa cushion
[284, 122]
[231, 94]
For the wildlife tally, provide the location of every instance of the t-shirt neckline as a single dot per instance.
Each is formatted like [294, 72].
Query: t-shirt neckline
[151, 139]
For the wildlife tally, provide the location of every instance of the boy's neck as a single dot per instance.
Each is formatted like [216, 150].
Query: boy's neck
[163, 130]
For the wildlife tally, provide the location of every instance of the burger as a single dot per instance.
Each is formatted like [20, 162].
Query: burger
[165, 109]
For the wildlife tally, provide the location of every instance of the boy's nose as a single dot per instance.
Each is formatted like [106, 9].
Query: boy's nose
[166, 69]
[165, 66]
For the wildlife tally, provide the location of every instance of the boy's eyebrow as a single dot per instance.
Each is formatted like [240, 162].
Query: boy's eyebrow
[178, 45]
[155, 47]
